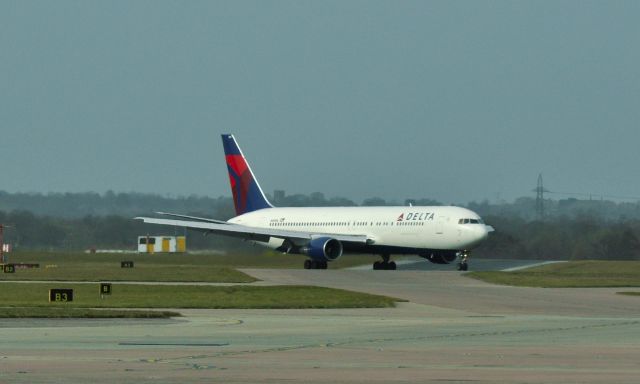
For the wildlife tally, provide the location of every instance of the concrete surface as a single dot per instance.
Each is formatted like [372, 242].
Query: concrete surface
[454, 329]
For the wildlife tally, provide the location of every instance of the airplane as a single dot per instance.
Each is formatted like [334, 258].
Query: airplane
[440, 234]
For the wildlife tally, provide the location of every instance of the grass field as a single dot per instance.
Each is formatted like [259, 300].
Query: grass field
[20, 295]
[574, 274]
[142, 271]
[88, 313]
[31, 300]
[76, 266]
[260, 259]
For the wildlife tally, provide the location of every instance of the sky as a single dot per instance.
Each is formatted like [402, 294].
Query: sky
[453, 100]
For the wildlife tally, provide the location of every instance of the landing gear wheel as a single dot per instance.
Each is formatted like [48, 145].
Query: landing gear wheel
[312, 264]
[464, 256]
[384, 265]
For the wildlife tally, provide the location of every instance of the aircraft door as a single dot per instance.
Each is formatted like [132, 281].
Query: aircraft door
[440, 225]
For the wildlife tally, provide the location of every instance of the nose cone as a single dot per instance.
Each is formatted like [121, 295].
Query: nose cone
[482, 232]
[477, 234]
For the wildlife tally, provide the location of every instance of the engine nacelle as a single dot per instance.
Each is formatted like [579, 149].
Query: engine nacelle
[323, 249]
[442, 257]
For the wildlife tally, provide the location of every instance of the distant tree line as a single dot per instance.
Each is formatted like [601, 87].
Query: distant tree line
[571, 229]
[75, 205]
[29, 231]
[525, 208]
[562, 238]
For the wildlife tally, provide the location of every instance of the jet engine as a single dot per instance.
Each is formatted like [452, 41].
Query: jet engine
[441, 257]
[323, 249]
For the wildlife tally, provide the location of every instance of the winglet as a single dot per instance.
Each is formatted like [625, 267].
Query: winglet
[247, 194]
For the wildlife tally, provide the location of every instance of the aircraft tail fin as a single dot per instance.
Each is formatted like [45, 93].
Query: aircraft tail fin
[247, 194]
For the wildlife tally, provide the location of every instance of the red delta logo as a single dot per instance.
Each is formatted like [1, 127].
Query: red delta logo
[401, 217]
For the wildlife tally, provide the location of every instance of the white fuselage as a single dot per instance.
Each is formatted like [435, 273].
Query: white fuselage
[435, 228]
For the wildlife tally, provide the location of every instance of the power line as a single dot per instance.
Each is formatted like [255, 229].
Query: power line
[540, 190]
[590, 195]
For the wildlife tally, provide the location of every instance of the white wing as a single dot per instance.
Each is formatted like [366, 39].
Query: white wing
[192, 218]
[253, 233]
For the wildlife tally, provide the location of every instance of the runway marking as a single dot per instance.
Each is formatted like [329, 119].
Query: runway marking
[533, 265]
[173, 344]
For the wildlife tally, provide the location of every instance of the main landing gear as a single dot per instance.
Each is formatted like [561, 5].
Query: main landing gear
[462, 265]
[313, 264]
[385, 264]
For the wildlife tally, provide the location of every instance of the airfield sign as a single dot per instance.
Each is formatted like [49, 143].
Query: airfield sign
[60, 295]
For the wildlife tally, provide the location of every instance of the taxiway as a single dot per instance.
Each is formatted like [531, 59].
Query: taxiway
[452, 329]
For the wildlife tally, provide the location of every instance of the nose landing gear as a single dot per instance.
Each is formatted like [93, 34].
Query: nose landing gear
[462, 265]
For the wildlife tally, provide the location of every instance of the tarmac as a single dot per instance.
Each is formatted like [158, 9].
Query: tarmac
[452, 329]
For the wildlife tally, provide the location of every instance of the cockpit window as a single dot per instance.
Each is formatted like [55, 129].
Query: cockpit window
[470, 221]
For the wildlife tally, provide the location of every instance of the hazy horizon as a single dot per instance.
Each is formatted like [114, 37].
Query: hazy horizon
[456, 101]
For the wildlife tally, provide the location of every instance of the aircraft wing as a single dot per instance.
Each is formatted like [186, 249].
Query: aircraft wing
[252, 233]
[192, 218]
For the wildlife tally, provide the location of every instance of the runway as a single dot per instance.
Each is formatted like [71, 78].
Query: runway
[453, 329]
[419, 264]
